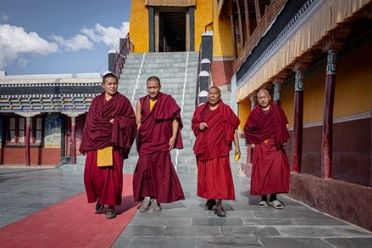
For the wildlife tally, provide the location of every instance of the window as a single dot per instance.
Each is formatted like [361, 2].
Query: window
[16, 130]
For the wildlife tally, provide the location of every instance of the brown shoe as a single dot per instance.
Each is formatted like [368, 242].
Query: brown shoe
[220, 211]
[145, 205]
[156, 207]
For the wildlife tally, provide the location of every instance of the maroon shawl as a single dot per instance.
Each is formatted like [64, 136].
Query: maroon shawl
[261, 126]
[215, 141]
[156, 125]
[99, 132]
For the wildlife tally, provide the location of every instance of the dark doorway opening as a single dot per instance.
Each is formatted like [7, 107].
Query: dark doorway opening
[172, 29]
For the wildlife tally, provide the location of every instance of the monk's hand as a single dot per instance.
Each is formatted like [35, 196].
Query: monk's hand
[203, 126]
[253, 146]
[112, 121]
[237, 152]
[172, 141]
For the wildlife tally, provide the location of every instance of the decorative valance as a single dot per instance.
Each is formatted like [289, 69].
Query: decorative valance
[170, 3]
[331, 14]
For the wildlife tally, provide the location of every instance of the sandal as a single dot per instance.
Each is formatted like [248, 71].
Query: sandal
[262, 204]
[276, 204]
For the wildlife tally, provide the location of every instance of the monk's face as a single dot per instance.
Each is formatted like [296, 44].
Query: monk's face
[214, 96]
[263, 98]
[153, 89]
[110, 85]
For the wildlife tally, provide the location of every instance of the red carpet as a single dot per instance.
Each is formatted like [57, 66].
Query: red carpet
[70, 223]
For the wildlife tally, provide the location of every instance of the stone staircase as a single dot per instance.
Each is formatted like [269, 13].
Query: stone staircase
[178, 74]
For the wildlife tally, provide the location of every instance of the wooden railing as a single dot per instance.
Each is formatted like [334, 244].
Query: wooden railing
[271, 11]
[126, 48]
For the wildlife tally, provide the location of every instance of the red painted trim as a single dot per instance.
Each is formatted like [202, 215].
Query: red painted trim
[73, 142]
[27, 144]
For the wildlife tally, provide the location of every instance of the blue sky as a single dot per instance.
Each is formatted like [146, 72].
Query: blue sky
[60, 36]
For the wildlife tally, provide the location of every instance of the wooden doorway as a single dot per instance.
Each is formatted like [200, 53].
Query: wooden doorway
[172, 29]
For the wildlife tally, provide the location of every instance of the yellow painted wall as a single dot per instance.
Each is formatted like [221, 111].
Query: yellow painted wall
[139, 26]
[353, 91]
[244, 108]
[203, 16]
[222, 42]
[206, 12]
[354, 83]
[287, 101]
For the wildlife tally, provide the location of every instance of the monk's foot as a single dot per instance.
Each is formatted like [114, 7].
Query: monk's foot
[145, 205]
[210, 204]
[220, 211]
[110, 213]
[99, 207]
[156, 206]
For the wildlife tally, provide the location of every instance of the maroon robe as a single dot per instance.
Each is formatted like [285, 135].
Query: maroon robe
[212, 147]
[155, 175]
[105, 183]
[270, 166]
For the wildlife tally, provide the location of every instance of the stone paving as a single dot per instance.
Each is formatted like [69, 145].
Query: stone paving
[24, 191]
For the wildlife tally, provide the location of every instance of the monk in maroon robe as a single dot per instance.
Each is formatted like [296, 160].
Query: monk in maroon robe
[214, 124]
[159, 123]
[110, 126]
[266, 130]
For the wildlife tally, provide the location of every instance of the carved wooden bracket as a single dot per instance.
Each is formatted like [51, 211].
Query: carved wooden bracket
[303, 62]
[337, 38]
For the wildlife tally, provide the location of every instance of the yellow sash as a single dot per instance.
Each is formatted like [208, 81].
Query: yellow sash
[152, 104]
[104, 157]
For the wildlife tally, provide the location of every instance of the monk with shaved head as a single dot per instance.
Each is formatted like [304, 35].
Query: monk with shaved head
[266, 130]
[214, 124]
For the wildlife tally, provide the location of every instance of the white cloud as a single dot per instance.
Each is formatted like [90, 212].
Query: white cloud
[15, 42]
[108, 35]
[74, 44]
[22, 62]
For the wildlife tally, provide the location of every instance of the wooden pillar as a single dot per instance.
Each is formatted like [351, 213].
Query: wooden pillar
[258, 9]
[241, 32]
[27, 142]
[298, 122]
[370, 171]
[73, 140]
[232, 26]
[247, 20]
[327, 134]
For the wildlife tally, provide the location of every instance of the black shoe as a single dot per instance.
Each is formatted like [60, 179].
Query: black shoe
[210, 204]
[99, 207]
[110, 213]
